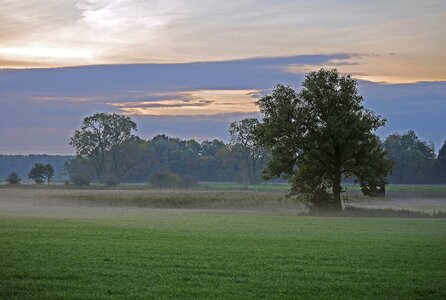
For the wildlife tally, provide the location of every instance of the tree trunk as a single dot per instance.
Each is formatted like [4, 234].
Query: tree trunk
[337, 181]
[337, 193]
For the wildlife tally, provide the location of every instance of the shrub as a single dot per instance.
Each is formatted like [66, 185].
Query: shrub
[165, 180]
[80, 180]
[188, 181]
[13, 178]
[111, 181]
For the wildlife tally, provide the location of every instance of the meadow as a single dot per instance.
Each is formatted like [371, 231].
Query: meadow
[55, 243]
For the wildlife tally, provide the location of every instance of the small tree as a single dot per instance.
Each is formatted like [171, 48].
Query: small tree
[41, 173]
[49, 172]
[13, 178]
[37, 173]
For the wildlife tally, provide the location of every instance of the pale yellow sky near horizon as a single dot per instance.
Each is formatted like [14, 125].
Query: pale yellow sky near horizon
[396, 41]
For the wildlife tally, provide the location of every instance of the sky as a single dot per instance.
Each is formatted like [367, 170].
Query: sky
[188, 68]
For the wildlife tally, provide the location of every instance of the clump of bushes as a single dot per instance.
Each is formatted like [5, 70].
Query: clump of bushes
[13, 178]
[80, 180]
[111, 181]
[172, 180]
[188, 181]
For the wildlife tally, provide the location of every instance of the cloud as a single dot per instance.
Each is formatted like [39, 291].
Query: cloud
[195, 103]
[84, 32]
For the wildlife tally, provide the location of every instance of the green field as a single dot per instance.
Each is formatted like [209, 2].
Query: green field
[161, 253]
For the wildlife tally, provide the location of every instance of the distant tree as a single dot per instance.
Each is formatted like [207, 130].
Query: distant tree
[37, 173]
[13, 178]
[319, 136]
[103, 138]
[49, 172]
[440, 164]
[80, 167]
[41, 173]
[413, 159]
[80, 179]
[211, 148]
[193, 147]
[244, 142]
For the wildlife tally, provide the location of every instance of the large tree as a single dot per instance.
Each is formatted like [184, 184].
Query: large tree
[321, 135]
[104, 138]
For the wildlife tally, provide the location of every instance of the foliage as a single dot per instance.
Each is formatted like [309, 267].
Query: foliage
[172, 180]
[41, 173]
[49, 172]
[413, 159]
[80, 180]
[320, 135]
[13, 178]
[111, 181]
[440, 165]
[188, 181]
[207, 161]
[103, 138]
[244, 143]
[165, 180]
[80, 168]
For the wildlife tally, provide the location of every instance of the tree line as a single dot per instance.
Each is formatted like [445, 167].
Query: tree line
[109, 151]
[414, 161]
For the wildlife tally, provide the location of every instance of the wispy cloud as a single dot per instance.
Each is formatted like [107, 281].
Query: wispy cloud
[83, 32]
[195, 103]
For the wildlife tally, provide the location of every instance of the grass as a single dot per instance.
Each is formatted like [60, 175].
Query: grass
[245, 187]
[183, 199]
[198, 254]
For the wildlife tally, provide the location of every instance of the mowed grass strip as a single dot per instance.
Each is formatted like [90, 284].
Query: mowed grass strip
[191, 254]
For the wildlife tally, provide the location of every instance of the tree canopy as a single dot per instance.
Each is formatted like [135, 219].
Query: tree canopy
[41, 173]
[440, 164]
[244, 143]
[321, 135]
[13, 178]
[103, 138]
[413, 159]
